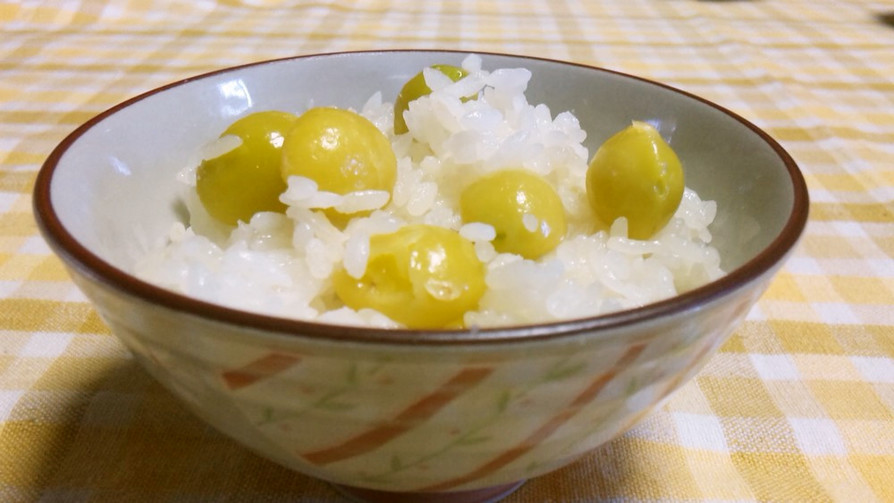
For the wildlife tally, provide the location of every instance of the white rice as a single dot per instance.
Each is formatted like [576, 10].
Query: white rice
[280, 264]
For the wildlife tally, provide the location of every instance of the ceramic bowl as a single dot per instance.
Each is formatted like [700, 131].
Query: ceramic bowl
[400, 415]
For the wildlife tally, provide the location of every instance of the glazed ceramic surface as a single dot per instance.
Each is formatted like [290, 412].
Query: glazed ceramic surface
[409, 411]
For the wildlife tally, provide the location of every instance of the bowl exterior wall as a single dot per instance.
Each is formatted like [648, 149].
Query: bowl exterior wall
[423, 418]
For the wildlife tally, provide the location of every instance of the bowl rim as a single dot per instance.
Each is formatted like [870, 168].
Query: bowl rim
[86, 262]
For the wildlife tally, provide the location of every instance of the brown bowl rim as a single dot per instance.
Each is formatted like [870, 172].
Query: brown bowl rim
[86, 262]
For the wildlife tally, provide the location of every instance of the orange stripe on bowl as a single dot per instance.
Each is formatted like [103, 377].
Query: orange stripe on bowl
[418, 412]
[258, 370]
[583, 398]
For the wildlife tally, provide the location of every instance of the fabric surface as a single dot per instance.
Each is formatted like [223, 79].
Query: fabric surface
[798, 405]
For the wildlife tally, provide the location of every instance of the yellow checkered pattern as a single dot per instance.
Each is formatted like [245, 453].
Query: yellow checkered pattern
[797, 406]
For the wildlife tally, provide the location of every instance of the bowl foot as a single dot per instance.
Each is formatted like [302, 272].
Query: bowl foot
[484, 495]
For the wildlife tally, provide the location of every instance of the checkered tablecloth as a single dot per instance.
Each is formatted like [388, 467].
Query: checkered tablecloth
[798, 405]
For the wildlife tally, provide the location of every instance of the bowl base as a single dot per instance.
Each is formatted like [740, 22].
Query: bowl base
[484, 495]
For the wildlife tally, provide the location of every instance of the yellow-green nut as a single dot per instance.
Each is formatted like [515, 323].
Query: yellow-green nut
[246, 180]
[340, 150]
[635, 174]
[423, 276]
[523, 208]
[414, 89]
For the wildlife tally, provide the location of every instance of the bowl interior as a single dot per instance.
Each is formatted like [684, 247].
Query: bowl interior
[113, 183]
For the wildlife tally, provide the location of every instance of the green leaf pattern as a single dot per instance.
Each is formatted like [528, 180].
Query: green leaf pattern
[339, 399]
[476, 433]
[336, 399]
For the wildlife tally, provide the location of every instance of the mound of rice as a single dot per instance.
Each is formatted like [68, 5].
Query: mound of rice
[280, 264]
